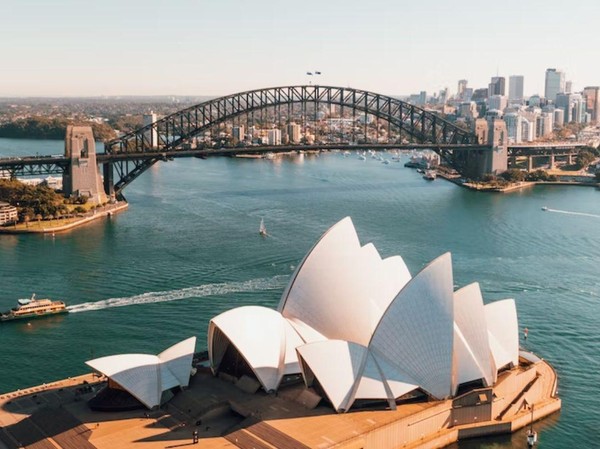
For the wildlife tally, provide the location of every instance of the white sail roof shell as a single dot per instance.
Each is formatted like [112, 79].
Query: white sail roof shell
[472, 347]
[416, 333]
[503, 328]
[338, 366]
[146, 376]
[262, 337]
[340, 290]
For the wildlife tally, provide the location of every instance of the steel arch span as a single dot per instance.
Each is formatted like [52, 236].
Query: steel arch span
[170, 133]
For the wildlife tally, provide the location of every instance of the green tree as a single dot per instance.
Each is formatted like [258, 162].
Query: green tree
[583, 159]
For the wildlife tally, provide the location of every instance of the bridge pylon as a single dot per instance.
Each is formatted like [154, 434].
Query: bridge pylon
[82, 177]
[494, 158]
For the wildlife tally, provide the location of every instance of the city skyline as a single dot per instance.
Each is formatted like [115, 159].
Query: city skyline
[217, 48]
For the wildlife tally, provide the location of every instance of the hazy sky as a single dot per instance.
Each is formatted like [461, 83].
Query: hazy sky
[218, 47]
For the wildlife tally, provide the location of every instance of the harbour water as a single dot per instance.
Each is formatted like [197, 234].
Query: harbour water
[188, 248]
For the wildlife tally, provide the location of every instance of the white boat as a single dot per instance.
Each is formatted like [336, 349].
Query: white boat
[361, 157]
[262, 229]
[544, 208]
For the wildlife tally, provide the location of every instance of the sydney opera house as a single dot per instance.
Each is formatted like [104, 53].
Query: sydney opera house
[359, 353]
[359, 328]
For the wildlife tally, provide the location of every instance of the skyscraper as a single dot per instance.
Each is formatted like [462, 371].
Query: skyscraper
[555, 84]
[592, 100]
[515, 88]
[497, 86]
[462, 87]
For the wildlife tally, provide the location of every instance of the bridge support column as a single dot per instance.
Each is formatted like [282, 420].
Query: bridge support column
[529, 163]
[513, 161]
[552, 162]
[570, 159]
[109, 183]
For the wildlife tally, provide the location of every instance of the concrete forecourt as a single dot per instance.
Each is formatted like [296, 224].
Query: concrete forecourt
[407, 362]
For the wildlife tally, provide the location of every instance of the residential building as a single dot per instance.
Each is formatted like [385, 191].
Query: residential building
[514, 129]
[293, 131]
[559, 117]
[274, 137]
[238, 133]
[8, 213]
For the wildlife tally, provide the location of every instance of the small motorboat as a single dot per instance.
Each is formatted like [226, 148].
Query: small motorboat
[544, 208]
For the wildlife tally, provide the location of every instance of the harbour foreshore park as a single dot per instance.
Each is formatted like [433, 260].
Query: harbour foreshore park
[369, 357]
[81, 183]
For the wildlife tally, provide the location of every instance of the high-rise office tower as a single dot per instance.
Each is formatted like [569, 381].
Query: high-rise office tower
[462, 87]
[569, 87]
[497, 86]
[592, 101]
[555, 84]
[515, 88]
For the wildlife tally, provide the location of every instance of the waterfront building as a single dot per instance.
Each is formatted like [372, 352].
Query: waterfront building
[555, 84]
[238, 133]
[152, 134]
[592, 100]
[515, 89]
[496, 86]
[8, 213]
[274, 137]
[368, 330]
[294, 133]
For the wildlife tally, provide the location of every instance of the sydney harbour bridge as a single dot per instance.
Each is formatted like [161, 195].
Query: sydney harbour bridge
[472, 154]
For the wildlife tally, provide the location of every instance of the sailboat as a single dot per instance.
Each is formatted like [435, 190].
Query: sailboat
[262, 229]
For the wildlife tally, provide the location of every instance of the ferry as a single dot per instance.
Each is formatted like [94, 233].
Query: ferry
[33, 308]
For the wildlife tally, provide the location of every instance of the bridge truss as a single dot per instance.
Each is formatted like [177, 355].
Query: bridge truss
[135, 152]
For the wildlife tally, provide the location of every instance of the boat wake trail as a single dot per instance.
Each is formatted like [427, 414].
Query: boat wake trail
[252, 285]
[583, 214]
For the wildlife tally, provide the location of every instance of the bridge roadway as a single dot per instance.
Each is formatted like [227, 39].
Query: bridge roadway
[40, 165]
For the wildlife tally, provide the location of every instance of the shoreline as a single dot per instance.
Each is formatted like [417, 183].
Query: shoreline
[515, 186]
[224, 414]
[89, 217]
